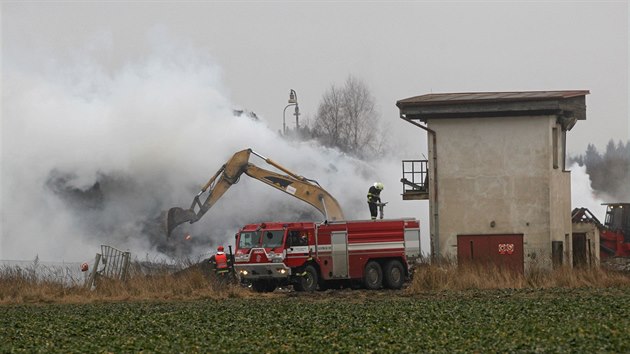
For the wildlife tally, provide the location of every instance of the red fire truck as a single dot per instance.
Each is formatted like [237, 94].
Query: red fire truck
[311, 255]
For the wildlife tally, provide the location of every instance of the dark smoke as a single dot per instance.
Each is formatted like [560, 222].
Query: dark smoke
[609, 172]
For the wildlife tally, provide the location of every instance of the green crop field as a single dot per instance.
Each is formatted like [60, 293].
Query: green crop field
[551, 320]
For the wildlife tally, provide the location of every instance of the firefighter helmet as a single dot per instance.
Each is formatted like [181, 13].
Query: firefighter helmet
[379, 186]
[220, 249]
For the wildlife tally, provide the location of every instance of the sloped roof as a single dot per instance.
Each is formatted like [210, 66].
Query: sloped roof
[583, 215]
[568, 105]
[487, 97]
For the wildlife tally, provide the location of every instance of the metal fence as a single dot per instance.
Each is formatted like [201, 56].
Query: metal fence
[111, 263]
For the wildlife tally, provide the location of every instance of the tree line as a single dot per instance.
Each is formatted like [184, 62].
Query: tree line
[609, 171]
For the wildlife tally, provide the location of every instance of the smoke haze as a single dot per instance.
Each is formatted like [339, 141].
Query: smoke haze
[93, 155]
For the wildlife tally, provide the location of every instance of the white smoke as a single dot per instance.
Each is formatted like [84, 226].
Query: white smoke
[93, 154]
[582, 195]
[150, 133]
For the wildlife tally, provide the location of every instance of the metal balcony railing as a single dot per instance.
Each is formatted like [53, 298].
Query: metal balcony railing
[415, 179]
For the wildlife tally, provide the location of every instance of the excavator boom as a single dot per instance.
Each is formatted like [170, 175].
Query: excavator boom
[302, 188]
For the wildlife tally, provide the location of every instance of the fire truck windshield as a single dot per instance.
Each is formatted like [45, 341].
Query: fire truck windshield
[272, 238]
[264, 238]
[249, 239]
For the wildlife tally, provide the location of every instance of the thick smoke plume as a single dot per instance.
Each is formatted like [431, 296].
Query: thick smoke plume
[583, 195]
[94, 155]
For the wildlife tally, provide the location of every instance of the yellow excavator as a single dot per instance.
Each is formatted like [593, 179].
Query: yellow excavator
[305, 189]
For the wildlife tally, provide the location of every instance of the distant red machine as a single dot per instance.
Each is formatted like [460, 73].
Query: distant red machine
[311, 255]
[614, 234]
[615, 238]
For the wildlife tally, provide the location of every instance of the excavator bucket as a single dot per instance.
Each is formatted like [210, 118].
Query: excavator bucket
[177, 216]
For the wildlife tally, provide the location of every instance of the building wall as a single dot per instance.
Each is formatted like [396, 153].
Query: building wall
[496, 176]
[560, 197]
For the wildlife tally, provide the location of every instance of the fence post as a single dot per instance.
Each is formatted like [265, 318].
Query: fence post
[125, 267]
[90, 281]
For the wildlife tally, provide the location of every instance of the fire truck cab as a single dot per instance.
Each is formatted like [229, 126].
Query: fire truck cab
[313, 256]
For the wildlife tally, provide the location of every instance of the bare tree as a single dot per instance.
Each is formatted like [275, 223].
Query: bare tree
[329, 122]
[347, 119]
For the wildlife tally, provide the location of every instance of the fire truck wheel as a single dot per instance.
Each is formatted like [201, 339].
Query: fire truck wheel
[394, 274]
[309, 280]
[373, 276]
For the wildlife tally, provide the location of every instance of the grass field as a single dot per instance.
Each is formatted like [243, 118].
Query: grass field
[444, 309]
[356, 321]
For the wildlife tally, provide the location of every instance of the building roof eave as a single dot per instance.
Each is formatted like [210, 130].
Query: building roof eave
[568, 110]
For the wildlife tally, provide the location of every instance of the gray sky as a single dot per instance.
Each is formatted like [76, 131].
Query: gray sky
[138, 97]
[400, 49]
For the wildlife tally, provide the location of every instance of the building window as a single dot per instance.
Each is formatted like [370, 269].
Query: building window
[556, 151]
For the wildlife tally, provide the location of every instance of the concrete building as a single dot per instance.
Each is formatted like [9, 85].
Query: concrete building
[495, 178]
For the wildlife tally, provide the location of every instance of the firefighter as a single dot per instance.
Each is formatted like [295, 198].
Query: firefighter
[221, 262]
[373, 197]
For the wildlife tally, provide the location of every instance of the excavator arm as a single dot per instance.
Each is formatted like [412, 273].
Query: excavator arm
[302, 188]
